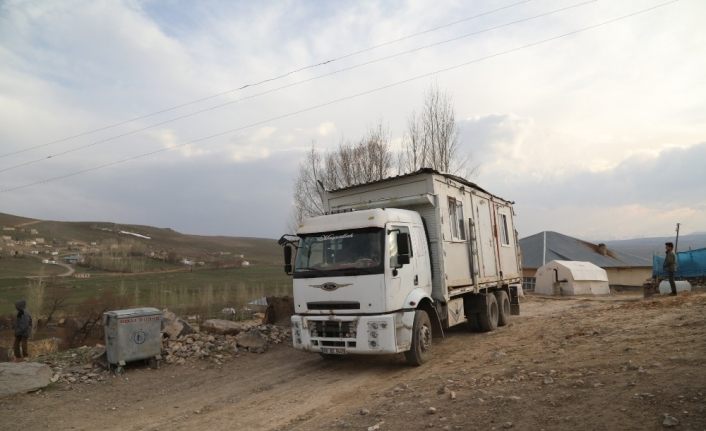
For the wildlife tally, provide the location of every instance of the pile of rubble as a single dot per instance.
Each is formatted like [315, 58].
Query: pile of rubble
[81, 365]
[216, 341]
[221, 340]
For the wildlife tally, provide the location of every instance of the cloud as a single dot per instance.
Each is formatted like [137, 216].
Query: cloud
[584, 125]
[641, 195]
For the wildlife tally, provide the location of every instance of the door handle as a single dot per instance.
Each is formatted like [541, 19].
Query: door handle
[416, 279]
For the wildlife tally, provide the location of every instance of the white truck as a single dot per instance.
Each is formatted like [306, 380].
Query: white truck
[396, 261]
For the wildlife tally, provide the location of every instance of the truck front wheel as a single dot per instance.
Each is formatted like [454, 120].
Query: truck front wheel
[421, 339]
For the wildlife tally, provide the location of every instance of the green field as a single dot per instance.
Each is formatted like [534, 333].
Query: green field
[123, 275]
[26, 266]
[204, 291]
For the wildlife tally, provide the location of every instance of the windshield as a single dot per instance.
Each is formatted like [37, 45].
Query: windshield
[353, 252]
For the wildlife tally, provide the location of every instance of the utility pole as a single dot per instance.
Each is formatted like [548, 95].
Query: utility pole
[676, 242]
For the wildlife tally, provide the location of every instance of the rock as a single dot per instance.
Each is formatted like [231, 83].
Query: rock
[252, 340]
[5, 353]
[508, 425]
[364, 412]
[443, 390]
[431, 410]
[16, 378]
[669, 421]
[224, 327]
[279, 310]
[548, 380]
[452, 395]
[497, 355]
[174, 326]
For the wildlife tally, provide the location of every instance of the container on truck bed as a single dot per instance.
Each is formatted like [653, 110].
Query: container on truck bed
[397, 261]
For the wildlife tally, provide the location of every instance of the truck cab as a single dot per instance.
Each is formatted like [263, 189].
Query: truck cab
[358, 280]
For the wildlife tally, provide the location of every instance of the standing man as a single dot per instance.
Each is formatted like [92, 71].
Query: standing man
[23, 330]
[670, 265]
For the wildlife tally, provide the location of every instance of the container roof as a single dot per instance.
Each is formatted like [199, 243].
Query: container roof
[422, 171]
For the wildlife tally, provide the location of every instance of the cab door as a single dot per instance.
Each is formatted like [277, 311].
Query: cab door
[403, 277]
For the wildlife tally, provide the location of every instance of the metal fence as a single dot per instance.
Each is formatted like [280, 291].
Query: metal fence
[690, 264]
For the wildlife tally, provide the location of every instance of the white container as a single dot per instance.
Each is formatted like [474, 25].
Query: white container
[132, 335]
[666, 289]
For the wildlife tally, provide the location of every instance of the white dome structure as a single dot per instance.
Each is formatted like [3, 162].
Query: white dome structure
[568, 278]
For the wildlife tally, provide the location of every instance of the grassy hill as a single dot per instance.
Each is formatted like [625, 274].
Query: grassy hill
[255, 250]
[149, 281]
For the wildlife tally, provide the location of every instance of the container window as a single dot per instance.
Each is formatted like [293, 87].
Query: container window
[458, 230]
[504, 234]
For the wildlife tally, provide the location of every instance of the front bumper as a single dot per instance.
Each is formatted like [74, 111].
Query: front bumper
[369, 334]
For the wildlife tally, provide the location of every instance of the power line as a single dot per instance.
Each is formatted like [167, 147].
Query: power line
[293, 84]
[353, 96]
[264, 81]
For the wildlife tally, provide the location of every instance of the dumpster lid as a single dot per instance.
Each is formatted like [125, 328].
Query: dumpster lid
[131, 312]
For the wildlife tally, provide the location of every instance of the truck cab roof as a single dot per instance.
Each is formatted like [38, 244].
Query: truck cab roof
[378, 217]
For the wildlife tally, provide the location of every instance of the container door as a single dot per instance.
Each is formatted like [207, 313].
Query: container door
[486, 239]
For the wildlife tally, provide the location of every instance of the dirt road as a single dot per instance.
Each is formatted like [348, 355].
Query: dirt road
[564, 364]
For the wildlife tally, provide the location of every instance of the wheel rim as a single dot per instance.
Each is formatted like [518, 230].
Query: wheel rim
[424, 338]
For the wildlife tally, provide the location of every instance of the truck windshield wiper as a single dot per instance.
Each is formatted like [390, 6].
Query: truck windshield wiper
[307, 268]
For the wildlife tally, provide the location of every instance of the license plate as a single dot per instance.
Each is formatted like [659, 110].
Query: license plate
[333, 350]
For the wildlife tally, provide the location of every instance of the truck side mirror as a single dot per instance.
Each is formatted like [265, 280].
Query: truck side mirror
[402, 248]
[287, 259]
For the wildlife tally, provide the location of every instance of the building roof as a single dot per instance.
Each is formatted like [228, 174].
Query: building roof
[564, 247]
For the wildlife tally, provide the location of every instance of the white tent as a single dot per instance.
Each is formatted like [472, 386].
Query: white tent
[566, 277]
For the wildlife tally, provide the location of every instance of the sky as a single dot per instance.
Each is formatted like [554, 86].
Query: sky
[133, 111]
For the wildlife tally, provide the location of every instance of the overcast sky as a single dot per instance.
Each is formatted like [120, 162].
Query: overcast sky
[599, 135]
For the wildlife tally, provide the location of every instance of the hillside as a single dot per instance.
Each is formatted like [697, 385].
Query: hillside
[255, 250]
[647, 247]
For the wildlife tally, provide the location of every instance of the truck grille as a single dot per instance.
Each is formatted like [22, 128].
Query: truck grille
[327, 329]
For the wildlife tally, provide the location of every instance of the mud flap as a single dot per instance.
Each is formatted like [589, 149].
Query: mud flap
[436, 326]
[514, 301]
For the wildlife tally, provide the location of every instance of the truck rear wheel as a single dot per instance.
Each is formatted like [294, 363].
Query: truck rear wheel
[488, 317]
[503, 307]
[420, 351]
[473, 322]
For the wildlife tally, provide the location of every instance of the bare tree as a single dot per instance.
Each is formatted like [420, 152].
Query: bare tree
[431, 139]
[308, 196]
[369, 159]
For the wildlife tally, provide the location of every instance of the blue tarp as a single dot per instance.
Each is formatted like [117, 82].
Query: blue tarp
[690, 264]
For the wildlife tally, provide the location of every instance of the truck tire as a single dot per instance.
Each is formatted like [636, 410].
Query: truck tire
[503, 307]
[488, 316]
[420, 351]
